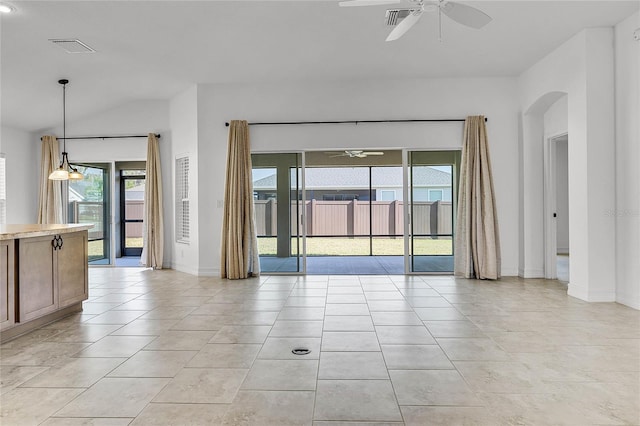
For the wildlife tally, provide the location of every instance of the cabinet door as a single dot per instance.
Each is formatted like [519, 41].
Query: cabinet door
[72, 269]
[7, 284]
[37, 288]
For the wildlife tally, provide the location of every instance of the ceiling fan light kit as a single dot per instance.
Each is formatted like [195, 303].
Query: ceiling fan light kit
[405, 18]
[355, 154]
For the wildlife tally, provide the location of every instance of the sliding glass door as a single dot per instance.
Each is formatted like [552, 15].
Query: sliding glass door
[349, 215]
[432, 189]
[89, 204]
[279, 211]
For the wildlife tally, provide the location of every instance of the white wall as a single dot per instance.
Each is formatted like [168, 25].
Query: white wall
[627, 209]
[556, 119]
[364, 100]
[184, 125]
[135, 118]
[22, 152]
[583, 68]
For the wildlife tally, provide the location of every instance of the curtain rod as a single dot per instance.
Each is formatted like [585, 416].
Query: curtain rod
[107, 137]
[356, 122]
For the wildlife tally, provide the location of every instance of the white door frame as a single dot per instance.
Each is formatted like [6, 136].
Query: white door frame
[303, 215]
[406, 210]
[550, 206]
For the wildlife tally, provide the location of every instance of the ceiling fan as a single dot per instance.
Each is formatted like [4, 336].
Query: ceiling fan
[404, 19]
[356, 154]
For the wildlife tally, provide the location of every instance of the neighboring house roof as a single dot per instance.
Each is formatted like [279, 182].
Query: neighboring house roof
[74, 195]
[349, 177]
[135, 193]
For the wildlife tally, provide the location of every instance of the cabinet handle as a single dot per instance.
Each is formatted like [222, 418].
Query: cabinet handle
[57, 242]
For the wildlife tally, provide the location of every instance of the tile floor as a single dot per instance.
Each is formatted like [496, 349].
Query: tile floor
[165, 348]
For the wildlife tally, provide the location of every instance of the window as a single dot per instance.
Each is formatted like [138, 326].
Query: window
[3, 190]
[387, 194]
[435, 195]
[182, 199]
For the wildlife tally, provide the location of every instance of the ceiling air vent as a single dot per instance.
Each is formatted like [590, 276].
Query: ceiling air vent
[394, 16]
[72, 45]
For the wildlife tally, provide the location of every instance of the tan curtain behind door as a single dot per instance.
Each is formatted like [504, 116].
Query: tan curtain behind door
[50, 193]
[239, 241]
[477, 243]
[153, 232]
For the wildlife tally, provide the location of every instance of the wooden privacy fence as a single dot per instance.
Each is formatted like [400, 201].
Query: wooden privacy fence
[352, 218]
[93, 212]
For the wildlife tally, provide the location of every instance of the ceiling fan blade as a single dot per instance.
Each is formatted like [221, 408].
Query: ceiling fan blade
[465, 15]
[373, 153]
[351, 3]
[405, 25]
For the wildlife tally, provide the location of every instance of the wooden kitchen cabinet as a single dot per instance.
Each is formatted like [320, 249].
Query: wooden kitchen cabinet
[53, 273]
[43, 275]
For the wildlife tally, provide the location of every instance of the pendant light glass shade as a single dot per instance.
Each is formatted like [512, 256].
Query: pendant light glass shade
[75, 175]
[65, 171]
[59, 174]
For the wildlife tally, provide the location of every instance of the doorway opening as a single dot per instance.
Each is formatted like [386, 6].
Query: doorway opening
[557, 200]
[130, 212]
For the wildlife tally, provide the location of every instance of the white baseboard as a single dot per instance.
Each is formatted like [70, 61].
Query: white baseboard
[595, 296]
[209, 272]
[509, 272]
[187, 269]
[531, 273]
[625, 299]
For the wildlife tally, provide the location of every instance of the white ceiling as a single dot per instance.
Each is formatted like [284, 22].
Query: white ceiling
[155, 49]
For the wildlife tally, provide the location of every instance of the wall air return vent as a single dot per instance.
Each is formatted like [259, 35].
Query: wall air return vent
[394, 16]
[72, 45]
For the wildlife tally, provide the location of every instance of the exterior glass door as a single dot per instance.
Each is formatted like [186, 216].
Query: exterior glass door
[89, 203]
[279, 213]
[432, 188]
[132, 184]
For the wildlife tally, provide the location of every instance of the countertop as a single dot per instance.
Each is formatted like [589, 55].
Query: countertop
[12, 232]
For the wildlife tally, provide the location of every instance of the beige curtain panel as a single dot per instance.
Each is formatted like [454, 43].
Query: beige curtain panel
[239, 240]
[50, 193]
[153, 232]
[477, 243]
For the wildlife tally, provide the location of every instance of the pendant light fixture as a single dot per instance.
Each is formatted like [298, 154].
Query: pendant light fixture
[65, 171]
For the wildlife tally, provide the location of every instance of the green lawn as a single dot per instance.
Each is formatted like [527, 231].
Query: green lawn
[319, 246]
[96, 247]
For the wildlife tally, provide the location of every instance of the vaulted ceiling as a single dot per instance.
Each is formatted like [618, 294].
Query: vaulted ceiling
[155, 49]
